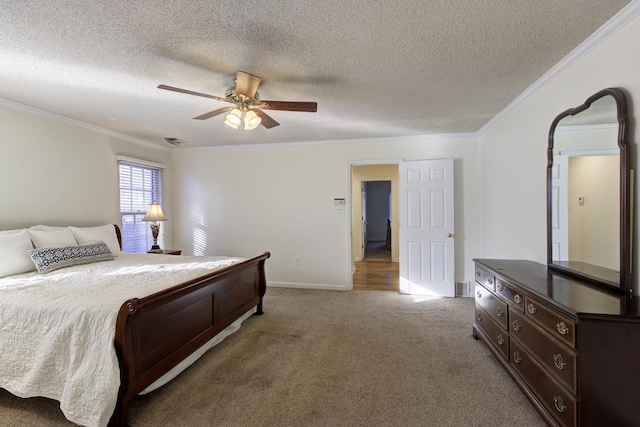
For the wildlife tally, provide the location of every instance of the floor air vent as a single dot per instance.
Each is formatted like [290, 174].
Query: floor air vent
[462, 289]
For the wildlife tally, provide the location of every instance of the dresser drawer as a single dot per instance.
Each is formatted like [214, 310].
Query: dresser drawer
[493, 331]
[485, 278]
[556, 357]
[554, 323]
[511, 293]
[496, 308]
[560, 404]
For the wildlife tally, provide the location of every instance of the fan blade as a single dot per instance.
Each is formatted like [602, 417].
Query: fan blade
[310, 107]
[247, 84]
[190, 92]
[213, 113]
[267, 121]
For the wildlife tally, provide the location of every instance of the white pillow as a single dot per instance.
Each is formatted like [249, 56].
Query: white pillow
[17, 230]
[14, 255]
[53, 238]
[47, 228]
[102, 233]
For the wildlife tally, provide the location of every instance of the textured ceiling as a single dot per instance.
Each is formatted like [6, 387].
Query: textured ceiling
[376, 69]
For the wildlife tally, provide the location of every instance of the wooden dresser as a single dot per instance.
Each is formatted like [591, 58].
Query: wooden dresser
[573, 348]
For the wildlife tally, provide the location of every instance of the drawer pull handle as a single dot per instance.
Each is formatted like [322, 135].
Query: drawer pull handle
[479, 294]
[516, 357]
[490, 281]
[500, 340]
[480, 317]
[478, 273]
[562, 328]
[516, 325]
[517, 298]
[499, 312]
[531, 308]
[500, 287]
[559, 362]
[559, 404]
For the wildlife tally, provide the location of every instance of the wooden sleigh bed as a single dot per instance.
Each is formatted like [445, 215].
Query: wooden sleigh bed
[154, 334]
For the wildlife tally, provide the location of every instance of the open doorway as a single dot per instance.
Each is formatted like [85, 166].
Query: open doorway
[374, 218]
[361, 176]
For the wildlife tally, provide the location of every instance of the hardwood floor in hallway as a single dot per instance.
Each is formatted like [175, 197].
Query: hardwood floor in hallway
[376, 275]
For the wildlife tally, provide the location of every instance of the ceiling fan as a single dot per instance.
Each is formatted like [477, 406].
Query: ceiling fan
[247, 104]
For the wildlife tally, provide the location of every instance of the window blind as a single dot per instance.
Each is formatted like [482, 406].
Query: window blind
[140, 185]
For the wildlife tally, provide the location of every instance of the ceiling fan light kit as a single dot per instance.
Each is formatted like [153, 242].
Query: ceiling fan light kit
[248, 106]
[237, 115]
[234, 118]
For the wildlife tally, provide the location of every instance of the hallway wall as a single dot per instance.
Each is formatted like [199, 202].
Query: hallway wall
[378, 209]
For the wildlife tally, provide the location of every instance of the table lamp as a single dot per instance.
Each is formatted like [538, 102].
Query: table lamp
[154, 214]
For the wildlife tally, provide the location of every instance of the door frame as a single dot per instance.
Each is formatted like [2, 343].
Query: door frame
[349, 239]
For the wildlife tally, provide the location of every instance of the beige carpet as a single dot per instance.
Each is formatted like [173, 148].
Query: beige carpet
[323, 358]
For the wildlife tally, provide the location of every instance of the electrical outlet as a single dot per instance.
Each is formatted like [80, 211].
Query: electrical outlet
[298, 260]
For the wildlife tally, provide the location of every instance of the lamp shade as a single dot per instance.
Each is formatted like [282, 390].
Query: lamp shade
[234, 118]
[154, 213]
[251, 120]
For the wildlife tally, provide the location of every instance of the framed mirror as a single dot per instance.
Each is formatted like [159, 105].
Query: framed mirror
[589, 192]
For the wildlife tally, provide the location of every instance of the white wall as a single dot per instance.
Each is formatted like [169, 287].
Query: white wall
[242, 201]
[513, 150]
[56, 173]
[594, 231]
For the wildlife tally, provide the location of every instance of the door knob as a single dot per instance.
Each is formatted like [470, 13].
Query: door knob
[449, 234]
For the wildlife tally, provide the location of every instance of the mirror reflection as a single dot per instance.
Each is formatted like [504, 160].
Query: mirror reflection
[585, 199]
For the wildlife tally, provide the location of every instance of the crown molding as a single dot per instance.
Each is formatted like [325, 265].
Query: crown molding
[57, 117]
[405, 138]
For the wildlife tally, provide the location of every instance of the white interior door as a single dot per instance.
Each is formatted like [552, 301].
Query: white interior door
[560, 208]
[426, 232]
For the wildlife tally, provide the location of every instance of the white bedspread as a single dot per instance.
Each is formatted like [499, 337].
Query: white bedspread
[57, 330]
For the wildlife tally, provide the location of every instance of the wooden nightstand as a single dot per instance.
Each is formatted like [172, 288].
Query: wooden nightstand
[170, 252]
[173, 251]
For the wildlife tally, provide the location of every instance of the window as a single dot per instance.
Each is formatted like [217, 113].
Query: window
[140, 184]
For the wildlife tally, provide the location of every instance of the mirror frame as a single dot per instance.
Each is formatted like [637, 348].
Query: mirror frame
[624, 285]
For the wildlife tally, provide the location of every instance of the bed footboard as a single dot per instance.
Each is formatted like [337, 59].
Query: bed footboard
[155, 333]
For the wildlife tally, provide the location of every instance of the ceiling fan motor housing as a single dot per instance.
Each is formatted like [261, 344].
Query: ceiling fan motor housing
[241, 100]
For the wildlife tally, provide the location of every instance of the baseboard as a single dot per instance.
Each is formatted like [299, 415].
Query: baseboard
[313, 286]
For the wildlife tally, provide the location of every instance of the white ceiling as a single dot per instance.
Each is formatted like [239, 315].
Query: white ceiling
[376, 69]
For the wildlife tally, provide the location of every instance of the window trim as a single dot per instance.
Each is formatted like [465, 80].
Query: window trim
[158, 197]
[134, 161]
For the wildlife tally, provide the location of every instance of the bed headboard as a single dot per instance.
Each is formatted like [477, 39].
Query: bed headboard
[119, 234]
